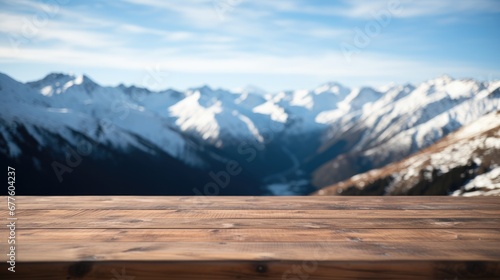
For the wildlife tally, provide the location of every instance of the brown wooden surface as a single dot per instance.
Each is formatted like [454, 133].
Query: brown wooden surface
[110, 237]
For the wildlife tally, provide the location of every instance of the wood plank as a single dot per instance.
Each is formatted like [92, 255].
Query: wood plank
[262, 203]
[37, 222]
[256, 214]
[255, 251]
[254, 235]
[289, 270]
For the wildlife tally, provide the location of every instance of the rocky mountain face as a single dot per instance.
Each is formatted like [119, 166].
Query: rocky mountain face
[466, 162]
[69, 135]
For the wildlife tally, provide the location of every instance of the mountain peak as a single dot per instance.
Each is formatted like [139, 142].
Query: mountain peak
[202, 89]
[56, 83]
[53, 80]
[84, 80]
[133, 89]
[332, 87]
[53, 77]
[64, 78]
[58, 75]
[443, 79]
[333, 84]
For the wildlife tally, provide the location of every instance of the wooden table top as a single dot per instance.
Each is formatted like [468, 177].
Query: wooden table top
[127, 237]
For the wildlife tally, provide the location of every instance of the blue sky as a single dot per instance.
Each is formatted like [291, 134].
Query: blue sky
[275, 45]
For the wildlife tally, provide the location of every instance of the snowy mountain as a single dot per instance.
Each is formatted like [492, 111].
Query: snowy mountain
[62, 103]
[466, 162]
[69, 135]
[402, 121]
[284, 142]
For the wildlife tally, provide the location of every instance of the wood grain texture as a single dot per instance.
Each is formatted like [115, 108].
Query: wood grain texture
[257, 203]
[255, 235]
[34, 222]
[255, 214]
[251, 270]
[353, 250]
[100, 237]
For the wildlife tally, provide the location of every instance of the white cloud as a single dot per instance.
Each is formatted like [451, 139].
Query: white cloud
[413, 8]
[407, 8]
[326, 66]
[174, 36]
[260, 37]
[199, 13]
[23, 29]
[363, 9]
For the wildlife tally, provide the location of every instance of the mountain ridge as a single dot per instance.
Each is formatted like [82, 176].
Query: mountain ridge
[292, 137]
[465, 162]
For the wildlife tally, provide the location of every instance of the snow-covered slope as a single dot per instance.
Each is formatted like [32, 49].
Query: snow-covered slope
[301, 108]
[61, 104]
[466, 162]
[402, 121]
[220, 116]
